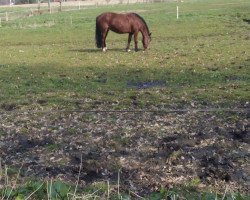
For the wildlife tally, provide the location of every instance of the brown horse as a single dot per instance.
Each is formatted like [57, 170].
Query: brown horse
[130, 23]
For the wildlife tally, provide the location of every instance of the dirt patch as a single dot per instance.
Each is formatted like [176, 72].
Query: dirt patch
[8, 106]
[146, 84]
[246, 20]
[150, 149]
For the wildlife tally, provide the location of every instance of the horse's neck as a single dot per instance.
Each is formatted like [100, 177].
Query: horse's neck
[144, 32]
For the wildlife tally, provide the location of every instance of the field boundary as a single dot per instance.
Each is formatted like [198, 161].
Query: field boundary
[54, 7]
[240, 110]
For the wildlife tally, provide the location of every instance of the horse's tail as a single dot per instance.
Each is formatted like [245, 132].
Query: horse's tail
[98, 35]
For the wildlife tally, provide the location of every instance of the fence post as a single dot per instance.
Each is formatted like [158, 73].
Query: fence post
[79, 5]
[49, 6]
[60, 9]
[6, 17]
[177, 12]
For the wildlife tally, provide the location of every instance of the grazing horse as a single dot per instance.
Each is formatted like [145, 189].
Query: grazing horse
[130, 23]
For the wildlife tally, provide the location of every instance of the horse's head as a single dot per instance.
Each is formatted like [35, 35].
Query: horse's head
[146, 40]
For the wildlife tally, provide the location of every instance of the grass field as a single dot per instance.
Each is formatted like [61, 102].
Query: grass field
[200, 61]
[202, 57]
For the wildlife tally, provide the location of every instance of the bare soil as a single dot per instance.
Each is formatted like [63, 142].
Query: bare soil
[150, 149]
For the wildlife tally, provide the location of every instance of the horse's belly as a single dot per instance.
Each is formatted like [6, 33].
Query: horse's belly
[120, 29]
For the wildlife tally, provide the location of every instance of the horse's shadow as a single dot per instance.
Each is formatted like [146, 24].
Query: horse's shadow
[85, 50]
[99, 50]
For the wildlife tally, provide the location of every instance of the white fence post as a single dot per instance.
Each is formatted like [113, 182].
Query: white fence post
[79, 5]
[6, 17]
[49, 7]
[177, 12]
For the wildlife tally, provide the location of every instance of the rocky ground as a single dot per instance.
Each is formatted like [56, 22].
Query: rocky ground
[150, 149]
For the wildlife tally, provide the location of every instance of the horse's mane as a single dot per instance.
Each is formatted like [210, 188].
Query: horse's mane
[142, 21]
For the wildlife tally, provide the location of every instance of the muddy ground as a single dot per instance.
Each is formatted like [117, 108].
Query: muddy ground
[210, 150]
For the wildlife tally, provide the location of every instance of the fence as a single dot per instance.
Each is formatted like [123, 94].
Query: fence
[53, 7]
[28, 10]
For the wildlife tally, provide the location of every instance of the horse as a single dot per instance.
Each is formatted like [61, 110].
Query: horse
[130, 23]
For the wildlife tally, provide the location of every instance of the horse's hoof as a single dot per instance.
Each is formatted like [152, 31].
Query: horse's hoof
[104, 49]
[128, 50]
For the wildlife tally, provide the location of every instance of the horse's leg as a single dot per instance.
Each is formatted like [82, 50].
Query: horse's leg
[104, 35]
[136, 40]
[105, 47]
[129, 40]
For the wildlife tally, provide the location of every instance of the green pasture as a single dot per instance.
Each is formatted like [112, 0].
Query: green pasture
[203, 59]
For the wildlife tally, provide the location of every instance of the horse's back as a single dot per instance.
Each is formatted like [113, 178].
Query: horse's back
[106, 17]
[119, 23]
